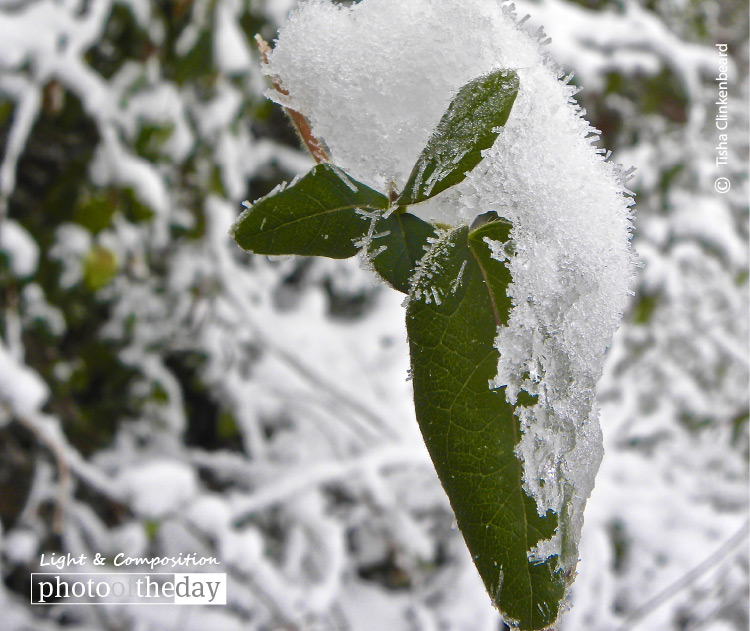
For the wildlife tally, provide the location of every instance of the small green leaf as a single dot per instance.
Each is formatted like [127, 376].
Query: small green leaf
[99, 268]
[315, 216]
[398, 242]
[458, 301]
[467, 127]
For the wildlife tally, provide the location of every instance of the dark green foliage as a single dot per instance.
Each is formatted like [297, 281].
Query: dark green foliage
[198, 61]
[53, 167]
[151, 139]
[644, 308]
[123, 39]
[404, 237]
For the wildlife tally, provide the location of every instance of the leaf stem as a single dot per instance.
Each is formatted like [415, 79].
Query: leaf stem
[301, 125]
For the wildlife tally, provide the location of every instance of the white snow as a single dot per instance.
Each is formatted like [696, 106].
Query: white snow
[129, 539]
[230, 45]
[21, 388]
[210, 514]
[20, 546]
[19, 246]
[38, 309]
[72, 244]
[374, 79]
[28, 99]
[155, 489]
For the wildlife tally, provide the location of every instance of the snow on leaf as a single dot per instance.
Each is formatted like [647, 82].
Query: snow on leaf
[471, 430]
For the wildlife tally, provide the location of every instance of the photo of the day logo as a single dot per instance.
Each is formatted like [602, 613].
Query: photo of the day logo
[72, 588]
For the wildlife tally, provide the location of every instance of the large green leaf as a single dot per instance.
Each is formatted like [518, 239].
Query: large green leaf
[321, 214]
[468, 126]
[398, 242]
[458, 301]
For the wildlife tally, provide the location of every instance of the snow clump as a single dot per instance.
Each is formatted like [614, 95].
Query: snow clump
[374, 79]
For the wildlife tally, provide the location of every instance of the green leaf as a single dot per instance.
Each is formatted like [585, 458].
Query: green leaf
[467, 127]
[99, 268]
[457, 303]
[315, 216]
[397, 243]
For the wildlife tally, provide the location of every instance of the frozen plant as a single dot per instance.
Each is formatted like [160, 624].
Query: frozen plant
[463, 172]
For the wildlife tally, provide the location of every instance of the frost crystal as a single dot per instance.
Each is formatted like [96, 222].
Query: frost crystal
[429, 266]
[374, 79]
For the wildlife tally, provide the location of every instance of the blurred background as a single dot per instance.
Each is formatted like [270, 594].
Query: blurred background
[162, 392]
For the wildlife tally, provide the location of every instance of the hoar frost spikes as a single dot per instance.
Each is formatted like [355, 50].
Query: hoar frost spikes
[374, 80]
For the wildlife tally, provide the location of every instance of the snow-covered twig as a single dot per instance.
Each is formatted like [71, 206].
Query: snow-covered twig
[731, 546]
[65, 485]
[322, 473]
